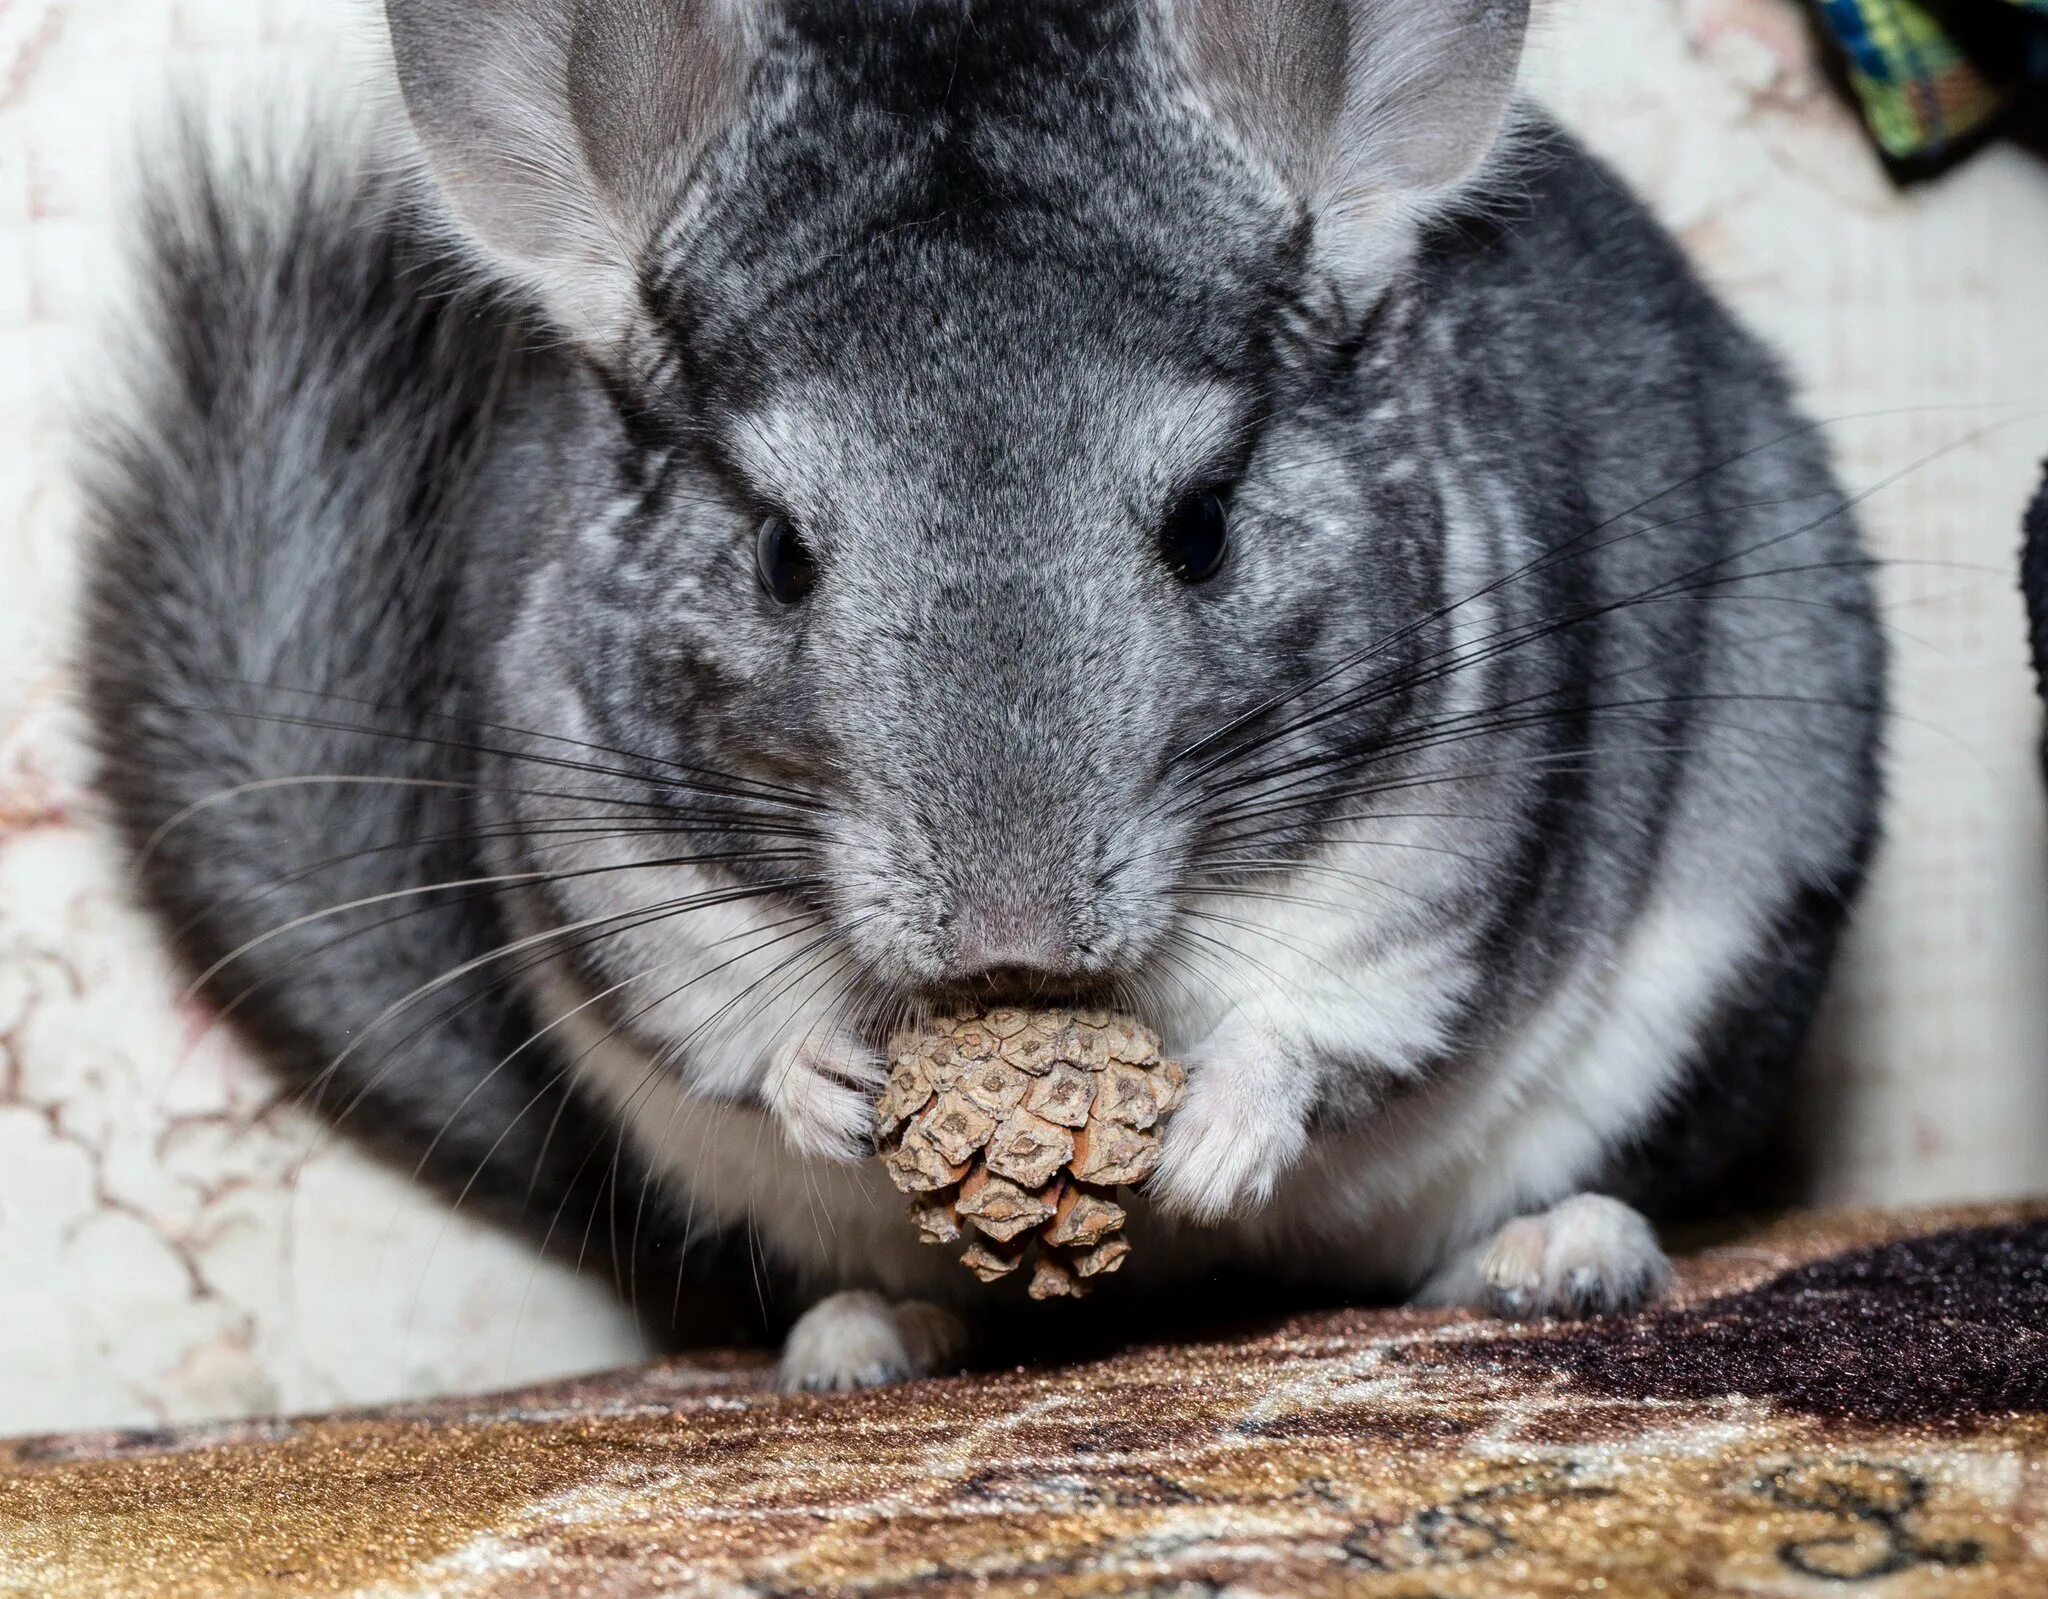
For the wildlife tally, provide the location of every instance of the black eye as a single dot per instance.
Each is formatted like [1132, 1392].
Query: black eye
[784, 560]
[1196, 537]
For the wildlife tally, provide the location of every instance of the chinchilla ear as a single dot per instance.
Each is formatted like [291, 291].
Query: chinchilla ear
[561, 131]
[1370, 111]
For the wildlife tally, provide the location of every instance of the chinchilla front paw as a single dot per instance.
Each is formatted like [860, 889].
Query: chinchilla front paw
[821, 1092]
[1243, 1127]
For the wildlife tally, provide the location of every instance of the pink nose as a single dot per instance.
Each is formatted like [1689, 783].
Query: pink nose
[989, 937]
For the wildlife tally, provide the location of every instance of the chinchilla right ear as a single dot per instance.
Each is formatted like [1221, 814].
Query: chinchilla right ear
[1373, 113]
[560, 131]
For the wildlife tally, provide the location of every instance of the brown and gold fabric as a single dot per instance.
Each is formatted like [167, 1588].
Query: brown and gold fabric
[1835, 1404]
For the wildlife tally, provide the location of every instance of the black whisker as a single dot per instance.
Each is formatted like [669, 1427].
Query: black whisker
[438, 715]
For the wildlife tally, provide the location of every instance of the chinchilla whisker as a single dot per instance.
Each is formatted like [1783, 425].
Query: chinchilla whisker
[615, 1124]
[1320, 761]
[546, 937]
[1210, 887]
[1196, 969]
[1461, 818]
[642, 760]
[659, 1063]
[682, 825]
[1187, 956]
[334, 1124]
[1553, 761]
[492, 881]
[399, 1047]
[702, 1032]
[831, 957]
[828, 1019]
[1387, 891]
[1169, 963]
[1806, 429]
[733, 1022]
[666, 1058]
[1638, 710]
[1511, 716]
[402, 736]
[1490, 647]
[1431, 736]
[1235, 952]
[837, 964]
[1568, 550]
[1382, 818]
[566, 838]
[1199, 913]
[1842, 505]
[1311, 869]
[1222, 959]
[561, 833]
[1290, 831]
[447, 1122]
[1678, 592]
[1207, 861]
[532, 1040]
[774, 793]
[795, 924]
[414, 891]
[731, 789]
[672, 1052]
[222, 796]
[226, 1009]
[848, 1012]
[365, 780]
[867, 1015]
[1277, 804]
[567, 1068]
[564, 833]
[1462, 656]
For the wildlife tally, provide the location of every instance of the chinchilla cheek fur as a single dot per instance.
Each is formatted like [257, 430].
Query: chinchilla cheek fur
[1201, 506]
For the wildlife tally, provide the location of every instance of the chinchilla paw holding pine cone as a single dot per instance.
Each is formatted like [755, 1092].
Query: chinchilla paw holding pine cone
[1015, 1129]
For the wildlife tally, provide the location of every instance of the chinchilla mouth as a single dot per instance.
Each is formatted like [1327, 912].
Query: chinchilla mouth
[1024, 988]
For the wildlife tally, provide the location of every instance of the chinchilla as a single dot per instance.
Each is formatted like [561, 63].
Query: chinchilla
[774, 515]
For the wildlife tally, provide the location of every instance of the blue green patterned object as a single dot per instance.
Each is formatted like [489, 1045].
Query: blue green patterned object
[1930, 73]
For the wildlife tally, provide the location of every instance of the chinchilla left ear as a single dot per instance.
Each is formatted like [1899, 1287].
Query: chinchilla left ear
[561, 131]
[1371, 112]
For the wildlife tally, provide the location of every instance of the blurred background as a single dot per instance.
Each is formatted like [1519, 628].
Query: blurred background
[174, 1246]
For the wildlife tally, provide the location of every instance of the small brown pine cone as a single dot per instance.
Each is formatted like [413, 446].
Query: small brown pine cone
[1013, 1130]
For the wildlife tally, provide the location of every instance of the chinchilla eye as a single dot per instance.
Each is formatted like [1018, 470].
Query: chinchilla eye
[1196, 537]
[784, 560]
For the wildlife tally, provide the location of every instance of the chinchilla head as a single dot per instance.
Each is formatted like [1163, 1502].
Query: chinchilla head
[990, 437]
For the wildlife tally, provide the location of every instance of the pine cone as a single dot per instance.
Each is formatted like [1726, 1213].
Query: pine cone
[1020, 1126]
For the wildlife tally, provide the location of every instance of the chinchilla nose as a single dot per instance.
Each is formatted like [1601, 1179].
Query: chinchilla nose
[1002, 935]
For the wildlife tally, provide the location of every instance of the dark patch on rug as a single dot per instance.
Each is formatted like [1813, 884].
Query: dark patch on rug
[1952, 1327]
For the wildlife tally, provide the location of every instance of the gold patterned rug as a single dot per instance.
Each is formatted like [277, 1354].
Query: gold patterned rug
[1833, 1404]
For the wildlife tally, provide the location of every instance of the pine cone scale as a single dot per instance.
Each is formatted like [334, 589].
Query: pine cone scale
[1013, 1129]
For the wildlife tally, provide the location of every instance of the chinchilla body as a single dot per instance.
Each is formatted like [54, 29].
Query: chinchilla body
[794, 516]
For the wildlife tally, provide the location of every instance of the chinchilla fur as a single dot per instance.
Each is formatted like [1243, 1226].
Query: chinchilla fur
[2034, 583]
[593, 624]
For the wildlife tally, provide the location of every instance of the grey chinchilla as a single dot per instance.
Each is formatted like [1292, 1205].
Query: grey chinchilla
[763, 518]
